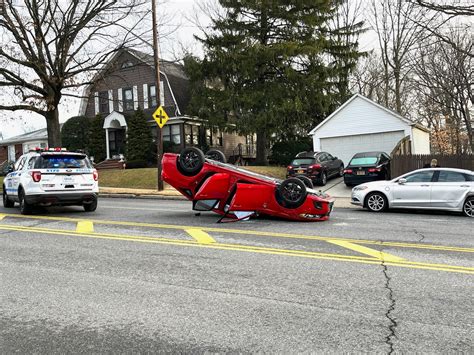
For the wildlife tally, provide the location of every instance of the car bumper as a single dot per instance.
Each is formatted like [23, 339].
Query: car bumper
[62, 199]
[357, 198]
[357, 180]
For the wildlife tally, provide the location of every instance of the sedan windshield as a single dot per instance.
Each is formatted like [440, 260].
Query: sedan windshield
[302, 161]
[364, 161]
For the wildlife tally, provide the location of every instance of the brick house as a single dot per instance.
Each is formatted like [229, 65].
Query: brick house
[127, 83]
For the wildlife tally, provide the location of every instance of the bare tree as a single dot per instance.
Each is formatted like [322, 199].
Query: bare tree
[51, 48]
[455, 8]
[397, 26]
[445, 83]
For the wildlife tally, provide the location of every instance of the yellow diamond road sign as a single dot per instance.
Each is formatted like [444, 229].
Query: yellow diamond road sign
[160, 116]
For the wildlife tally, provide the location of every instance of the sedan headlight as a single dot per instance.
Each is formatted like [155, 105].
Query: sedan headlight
[360, 188]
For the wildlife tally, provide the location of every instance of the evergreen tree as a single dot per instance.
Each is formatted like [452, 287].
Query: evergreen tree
[139, 139]
[266, 68]
[75, 133]
[97, 145]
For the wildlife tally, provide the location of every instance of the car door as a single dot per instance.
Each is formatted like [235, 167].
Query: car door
[323, 160]
[332, 165]
[15, 176]
[415, 191]
[450, 189]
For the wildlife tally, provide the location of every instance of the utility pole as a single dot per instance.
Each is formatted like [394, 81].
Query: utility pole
[159, 132]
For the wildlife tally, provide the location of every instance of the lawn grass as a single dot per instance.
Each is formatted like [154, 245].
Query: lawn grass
[147, 178]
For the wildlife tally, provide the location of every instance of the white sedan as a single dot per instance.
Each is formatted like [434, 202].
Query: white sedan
[435, 189]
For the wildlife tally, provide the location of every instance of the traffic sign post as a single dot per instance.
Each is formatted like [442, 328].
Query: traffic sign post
[160, 116]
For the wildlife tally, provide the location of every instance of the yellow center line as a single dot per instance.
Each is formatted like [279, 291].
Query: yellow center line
[200, 236]
[250, 233]
[251, 249]
[2, 216]
[85, 227]
[364, 250]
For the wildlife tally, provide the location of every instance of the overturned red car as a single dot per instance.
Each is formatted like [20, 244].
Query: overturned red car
[235, 193]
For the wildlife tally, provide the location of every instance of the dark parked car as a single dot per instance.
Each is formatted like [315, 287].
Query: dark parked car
[318, 166]
[365, 167]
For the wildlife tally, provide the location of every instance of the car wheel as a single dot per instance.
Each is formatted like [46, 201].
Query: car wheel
[25, 207]
[191, 161]
[376, 202]
[348, 185]
[323, 179]
[468, 207]
[307, 181]
[216, 155]
[341, 171]
[292, 192]
[90, 207]
[7, 203]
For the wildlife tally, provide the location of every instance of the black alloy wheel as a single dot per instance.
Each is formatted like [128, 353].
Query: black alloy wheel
[323, 179]
[90, 207]
[25, 207]
[341, 171]
[216, 155]
[293, 192]
[190, 161]
[7, 203]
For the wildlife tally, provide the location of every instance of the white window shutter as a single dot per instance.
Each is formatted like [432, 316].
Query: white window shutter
[135, 97]
[162, 93]
[145, 96]
[120, 101]
[111, 101]
[96, 102]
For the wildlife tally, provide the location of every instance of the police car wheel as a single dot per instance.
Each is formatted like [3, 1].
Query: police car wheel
[7, 203]
[25, 207]
[90, 207]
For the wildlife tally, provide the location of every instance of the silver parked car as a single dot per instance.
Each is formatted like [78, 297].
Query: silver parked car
[435, 189]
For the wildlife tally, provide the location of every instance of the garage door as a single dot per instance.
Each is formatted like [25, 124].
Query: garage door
[345, 147]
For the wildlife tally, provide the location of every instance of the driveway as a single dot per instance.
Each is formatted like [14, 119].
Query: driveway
[337, 188]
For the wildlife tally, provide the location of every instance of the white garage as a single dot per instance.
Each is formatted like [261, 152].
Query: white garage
[361, 125]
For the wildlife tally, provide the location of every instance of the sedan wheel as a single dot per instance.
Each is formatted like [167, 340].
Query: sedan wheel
[376, 202]
[468, 208]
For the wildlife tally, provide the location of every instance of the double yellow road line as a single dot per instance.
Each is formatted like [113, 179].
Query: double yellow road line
[201, 239]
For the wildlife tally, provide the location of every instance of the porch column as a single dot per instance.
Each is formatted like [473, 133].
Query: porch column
[107, 148]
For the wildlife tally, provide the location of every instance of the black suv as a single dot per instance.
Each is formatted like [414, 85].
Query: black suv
[318, 166]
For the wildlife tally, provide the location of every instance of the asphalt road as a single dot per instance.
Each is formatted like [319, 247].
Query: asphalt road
[141, 276]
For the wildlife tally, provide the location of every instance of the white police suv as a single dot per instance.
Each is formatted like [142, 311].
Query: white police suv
[52, 177]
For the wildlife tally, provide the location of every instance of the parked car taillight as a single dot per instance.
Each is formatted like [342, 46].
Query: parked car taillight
[347, 171]
[374, 170]
[289, 167]
[36, 175]
[315, 167]
[95, 174]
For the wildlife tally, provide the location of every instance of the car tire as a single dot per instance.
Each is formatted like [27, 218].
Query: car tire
[190, 161]
[292, 192]
[341, 171]
[323, 179]
[307, 181]
[376, 202]
[25, 207]
[348, 185]
[216, 155]
[90, 207]
[468, 207]
[7, 203]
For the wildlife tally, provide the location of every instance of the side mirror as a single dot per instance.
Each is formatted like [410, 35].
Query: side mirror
[334, 158]
[402, 181]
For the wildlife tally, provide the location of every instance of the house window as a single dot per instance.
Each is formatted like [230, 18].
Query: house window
[172, 133]
[103, 102]
[213, 138]
[127, 64]
[128, 99]
[152, 96]
[191, 134]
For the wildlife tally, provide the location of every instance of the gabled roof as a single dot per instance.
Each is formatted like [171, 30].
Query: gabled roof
[348, 102]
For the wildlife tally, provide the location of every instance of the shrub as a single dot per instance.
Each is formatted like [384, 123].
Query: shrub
[139, 138]
[75, 133]
[284, 152]
[96, 147]
[136, 164]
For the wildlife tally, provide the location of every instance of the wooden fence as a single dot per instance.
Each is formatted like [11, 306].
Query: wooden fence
[402, 164]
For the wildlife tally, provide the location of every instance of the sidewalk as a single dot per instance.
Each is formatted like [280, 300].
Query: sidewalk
[170, 193]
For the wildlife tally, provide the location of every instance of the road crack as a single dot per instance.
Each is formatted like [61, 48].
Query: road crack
[421, 235]
[389, 314]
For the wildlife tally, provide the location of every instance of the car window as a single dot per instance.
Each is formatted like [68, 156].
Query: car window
[451, 176]
[329, 156]
[31, 163]
[423, 176]
[302, 161]
[364, 161]
[19, 164]
[322, 157]
[383, 158]
[62, 162]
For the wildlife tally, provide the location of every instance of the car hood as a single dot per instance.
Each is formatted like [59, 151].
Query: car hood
[379, 183]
